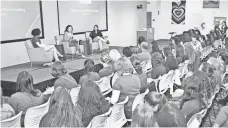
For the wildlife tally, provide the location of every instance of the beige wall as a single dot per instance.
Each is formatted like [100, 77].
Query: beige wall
[123, 21]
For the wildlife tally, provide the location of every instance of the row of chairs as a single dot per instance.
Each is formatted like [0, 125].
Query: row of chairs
[196, 119]
[115, 117]
[32, 118]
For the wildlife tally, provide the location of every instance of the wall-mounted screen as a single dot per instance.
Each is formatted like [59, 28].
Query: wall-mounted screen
[82, 15]
[19, 18]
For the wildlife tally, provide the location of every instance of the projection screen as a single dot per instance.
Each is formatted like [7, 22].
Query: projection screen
[19, 18]
[82, 16]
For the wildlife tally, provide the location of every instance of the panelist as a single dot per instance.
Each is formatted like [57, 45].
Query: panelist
[97, 36]
[68, 37]
[36, 42]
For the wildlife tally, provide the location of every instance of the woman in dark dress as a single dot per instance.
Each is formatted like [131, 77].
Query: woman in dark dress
[97, 36]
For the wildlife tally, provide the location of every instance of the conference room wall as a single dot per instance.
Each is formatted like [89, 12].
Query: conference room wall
[195, 15]
[123, 22]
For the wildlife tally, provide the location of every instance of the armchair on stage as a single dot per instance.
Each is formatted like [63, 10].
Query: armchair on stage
[67, 48]
[95, 45]
[38, 54]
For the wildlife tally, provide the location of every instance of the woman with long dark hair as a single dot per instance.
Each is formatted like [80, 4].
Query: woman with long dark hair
[62, 112]
[143, 116]
[27, 96]
[192, 102]
[89, 73]
[73, 41]
[36, 42]
[97, 36]
[91, 102]
[224, 29]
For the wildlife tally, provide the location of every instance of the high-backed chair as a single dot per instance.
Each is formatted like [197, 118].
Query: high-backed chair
[195, 120]
[67, 48]
[104, 84]
[74, 94]
[13, 122]
[117, 118]
[33, 115]
[100, 120]
[139, 99]
[38, 54]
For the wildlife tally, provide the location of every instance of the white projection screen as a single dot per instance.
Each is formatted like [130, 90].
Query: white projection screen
[82, 16]
[19, 18]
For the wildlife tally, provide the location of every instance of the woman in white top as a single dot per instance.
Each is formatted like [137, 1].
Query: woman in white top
[73, 41]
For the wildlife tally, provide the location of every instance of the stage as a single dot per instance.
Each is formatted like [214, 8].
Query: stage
[41, 75]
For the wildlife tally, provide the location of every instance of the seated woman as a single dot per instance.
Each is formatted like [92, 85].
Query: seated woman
[171, 63]
[127, 84]
[143, 116]
[91, 102]
[6, 110]
[27, 96]
[155, 47]
[97, 36]
[158, 67]
[127, 52]
[62, 112]
[222, 118]
[136, 62]
[68, 37]
[144, 55]
[202, 40]
[63, 78]
[192, 101]
[107, 65]
[89, 74]
[47, 48]
[196, 44]
[166, 114]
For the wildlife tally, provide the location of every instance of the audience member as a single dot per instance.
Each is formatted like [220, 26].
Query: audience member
[171, 63]
[6, 110]
[155, 47]
[127, 52]
[127, 84]
[196, 44]
[166, 114]
[89, 73]
[202, 40]
[222, 118]
[158, 67]
[36, 42]
[136, 62]
[192, 101]
[144, 55]
[63, 78]
[107, 65]
[143, 116]
[91, 102]
[62, 112]
[27, 96]
[224, 29]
